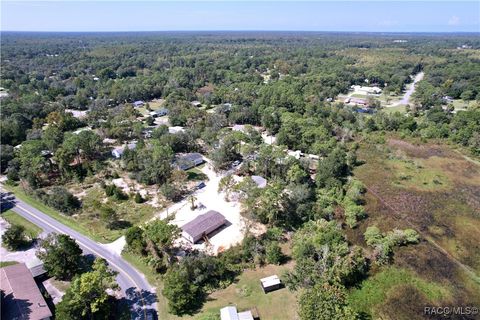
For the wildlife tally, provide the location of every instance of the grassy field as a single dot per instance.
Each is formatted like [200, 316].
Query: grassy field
[30, 229]
[400, 108]
[435, 190]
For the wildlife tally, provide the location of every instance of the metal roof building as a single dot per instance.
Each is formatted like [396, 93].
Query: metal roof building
[270, 283]
[23, 299]
[203, 225]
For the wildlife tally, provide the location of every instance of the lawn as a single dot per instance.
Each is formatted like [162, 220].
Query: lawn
[400, 108]
[7, 263]
[30, 229]
[245, 294]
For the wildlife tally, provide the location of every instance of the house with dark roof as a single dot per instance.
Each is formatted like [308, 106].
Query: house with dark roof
[203, 225]
[189, 160]
[22, 297]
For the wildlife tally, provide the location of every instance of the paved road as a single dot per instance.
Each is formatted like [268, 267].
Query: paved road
[138, 293]
[406, 97]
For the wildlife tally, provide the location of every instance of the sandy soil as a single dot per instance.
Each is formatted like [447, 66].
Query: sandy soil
[207, 199]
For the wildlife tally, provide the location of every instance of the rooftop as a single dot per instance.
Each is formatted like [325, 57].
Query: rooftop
[203, 222]
[270, 281]
[23, 299]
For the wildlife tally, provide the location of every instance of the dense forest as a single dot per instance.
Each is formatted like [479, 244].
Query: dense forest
[288, 85]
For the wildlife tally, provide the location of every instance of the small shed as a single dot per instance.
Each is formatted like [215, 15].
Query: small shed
[203, 225]
[271, 283]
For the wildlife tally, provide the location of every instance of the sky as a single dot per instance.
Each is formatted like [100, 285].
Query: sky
[361, 16]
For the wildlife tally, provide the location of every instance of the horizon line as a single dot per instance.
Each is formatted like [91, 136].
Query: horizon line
[228, 30]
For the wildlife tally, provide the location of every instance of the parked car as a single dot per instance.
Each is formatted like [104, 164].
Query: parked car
[201, 185]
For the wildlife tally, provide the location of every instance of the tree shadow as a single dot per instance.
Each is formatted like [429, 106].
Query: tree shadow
[141, 303]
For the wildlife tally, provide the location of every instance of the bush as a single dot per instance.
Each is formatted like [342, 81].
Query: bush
[273, 253]
[138, 198]
[115, 192]
[14, 237]
[60, 199]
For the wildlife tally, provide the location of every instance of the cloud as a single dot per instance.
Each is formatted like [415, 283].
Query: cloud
[454, 21]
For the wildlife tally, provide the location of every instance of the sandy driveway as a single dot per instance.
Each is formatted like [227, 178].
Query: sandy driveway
[209, 197]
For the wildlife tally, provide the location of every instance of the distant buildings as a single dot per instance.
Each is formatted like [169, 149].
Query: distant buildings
[22, 297]
[203, 225]
[196, 103]
[176, 129]
[158, 113]
[138, 103]
[189, 160]
[118, 152]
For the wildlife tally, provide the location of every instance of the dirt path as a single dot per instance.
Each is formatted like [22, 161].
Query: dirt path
[402, 217]
[406, 97]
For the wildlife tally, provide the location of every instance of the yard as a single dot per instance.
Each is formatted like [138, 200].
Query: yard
[13, 218]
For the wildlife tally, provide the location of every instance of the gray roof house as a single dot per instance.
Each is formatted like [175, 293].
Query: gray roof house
[189, 160]
[138, 103]
[203, 225]
[118, 152]
[22, 297]
[159, 113]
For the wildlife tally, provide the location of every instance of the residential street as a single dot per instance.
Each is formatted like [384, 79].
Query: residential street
[135, 288]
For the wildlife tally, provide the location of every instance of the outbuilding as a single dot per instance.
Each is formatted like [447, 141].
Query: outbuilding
[138, 104]
[230, 313]
[203, 225]
[271, 283]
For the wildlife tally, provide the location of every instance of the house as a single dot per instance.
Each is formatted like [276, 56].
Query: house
[189, 160]
[260, 181]
[138, 104]
[196, 103]
[271, 283]
[176, 129]
[159, 113]
[202, 225]
[22, 297]
[230, 313]
[118, 152]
